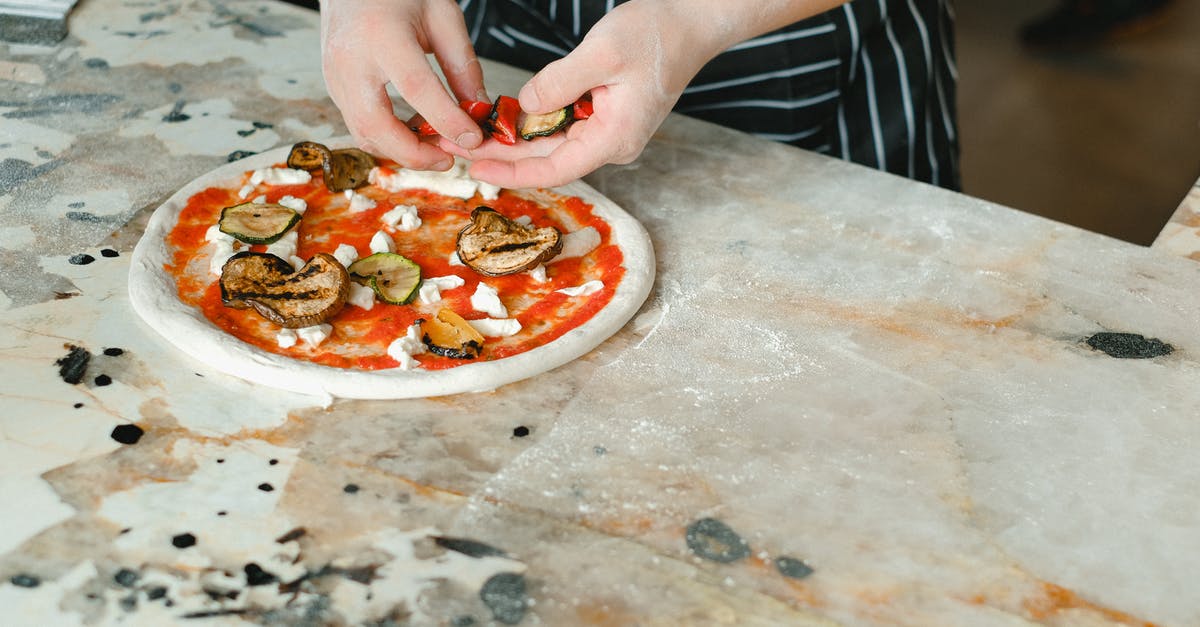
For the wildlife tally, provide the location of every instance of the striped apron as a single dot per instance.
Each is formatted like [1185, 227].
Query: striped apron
[872, 81]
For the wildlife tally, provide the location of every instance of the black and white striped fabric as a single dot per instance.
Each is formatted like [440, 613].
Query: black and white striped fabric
[872, 81]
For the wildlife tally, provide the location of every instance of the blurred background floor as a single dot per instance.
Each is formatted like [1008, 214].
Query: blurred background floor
[1105, 138]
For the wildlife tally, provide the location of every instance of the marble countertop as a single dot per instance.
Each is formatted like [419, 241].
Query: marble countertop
[850, 398]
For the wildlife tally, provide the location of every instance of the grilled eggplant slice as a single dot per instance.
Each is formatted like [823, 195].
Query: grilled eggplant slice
[395, 278]
[493, 245]
[448, 335]
[257, 223]
[289, 298]
[347, 168]
[308, 156]
[544, 124]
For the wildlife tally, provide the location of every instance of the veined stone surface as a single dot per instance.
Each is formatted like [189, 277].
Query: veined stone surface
[851, 399]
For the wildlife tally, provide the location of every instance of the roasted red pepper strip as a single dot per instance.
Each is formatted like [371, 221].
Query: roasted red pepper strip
[418, 125]
[503, 120]
[477, 109]
[582, 109]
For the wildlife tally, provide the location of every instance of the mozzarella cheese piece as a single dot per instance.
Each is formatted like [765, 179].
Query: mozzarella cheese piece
[487, 300]
[314, 335]
[215, 234]
[280, 176]
[358, 202]
[524, 220]
[587, 289]
[222, 251]
[402, 218]
[403, 348]
[361, 296]
[381, 242]
[298, 262]
[260, 199]
[487, 191]
[579, 243]
[538, 273]
[285, 247]
[491, 327]
[345, 254]
[299, 205]
[431, 288]
[286, 338]
[454, 260]
[245, 191]
[454, 182]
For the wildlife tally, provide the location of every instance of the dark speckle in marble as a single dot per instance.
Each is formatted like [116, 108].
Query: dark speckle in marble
[467, 547]
[256, 576]
[239, 154]
[109, 253]
[84, 216]
[521, 431]
[294, 534]
[73, 366]
[126, 577]
[78, 204]
[1129, 345]
[114, 352]
[350, 488]
[96, 63]
[127, 434]
[504, 595]
[102, 380]
[176, 114]
[714, 540]
[82, 259]
[266, 487]
[792, 568]
[25, 581]
[183, 541]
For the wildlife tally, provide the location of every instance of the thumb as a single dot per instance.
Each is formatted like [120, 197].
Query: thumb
[562, 82]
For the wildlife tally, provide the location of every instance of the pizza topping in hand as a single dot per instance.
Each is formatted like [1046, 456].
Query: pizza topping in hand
[448, 335]
[493, 245]
[395, 278]
[288, 298]
[544, 124]
[257, 223]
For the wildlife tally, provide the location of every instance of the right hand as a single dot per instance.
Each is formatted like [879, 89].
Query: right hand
[366, 44]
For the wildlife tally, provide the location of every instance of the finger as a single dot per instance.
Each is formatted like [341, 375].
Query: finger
[569, 161]
[503, 152]
[565, 80]
[454, 52]
[411, 74]
[368, 114]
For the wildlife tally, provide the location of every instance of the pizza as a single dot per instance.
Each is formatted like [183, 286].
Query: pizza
[328, 271]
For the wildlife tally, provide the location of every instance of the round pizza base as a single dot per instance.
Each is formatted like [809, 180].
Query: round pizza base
[156, 299]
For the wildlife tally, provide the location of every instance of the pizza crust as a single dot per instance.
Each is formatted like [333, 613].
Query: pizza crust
[155, 298]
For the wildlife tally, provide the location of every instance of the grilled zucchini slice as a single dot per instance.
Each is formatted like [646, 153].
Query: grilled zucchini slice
[395, 278]
[257, 223]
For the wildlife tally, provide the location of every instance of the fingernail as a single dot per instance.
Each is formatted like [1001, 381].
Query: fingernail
[529, 100]
[468, 140]
[444, 164]
[482, 96]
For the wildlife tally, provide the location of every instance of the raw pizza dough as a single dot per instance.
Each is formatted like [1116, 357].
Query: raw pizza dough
[154, 296]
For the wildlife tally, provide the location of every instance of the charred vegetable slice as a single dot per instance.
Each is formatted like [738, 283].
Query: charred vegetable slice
[347, 168]
[395, 278]
[448, 335]
[308, 156]
[503, 122]
[291, 299]
[257, 223]
[544, 124]
[493, 245]
[477, 109]
[582, 109]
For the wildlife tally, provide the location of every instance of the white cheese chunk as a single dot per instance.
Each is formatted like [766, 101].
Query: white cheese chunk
[260, 199]
[345, 254]
[361, 296]
[280, 176]
[245, 191]
[285, 247]
[381, 242]
[491, 327]
[215, 234]
[299, 205]
[403, 348]
[358, 202]
[579, 243]
[402, 218]
[454, 260]
[431, 288]
[454, 182]
[222, 251]
[314, 335]
[524, 220]
[297, 262]
[286, 338]
[487, 300]
[538, 273]
[487, 191]
[587, 289]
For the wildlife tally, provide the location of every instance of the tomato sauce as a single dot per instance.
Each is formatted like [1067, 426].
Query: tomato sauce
[360, 337]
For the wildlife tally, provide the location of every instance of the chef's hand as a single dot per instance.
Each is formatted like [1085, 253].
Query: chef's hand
[367, 44]
[635, 62]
